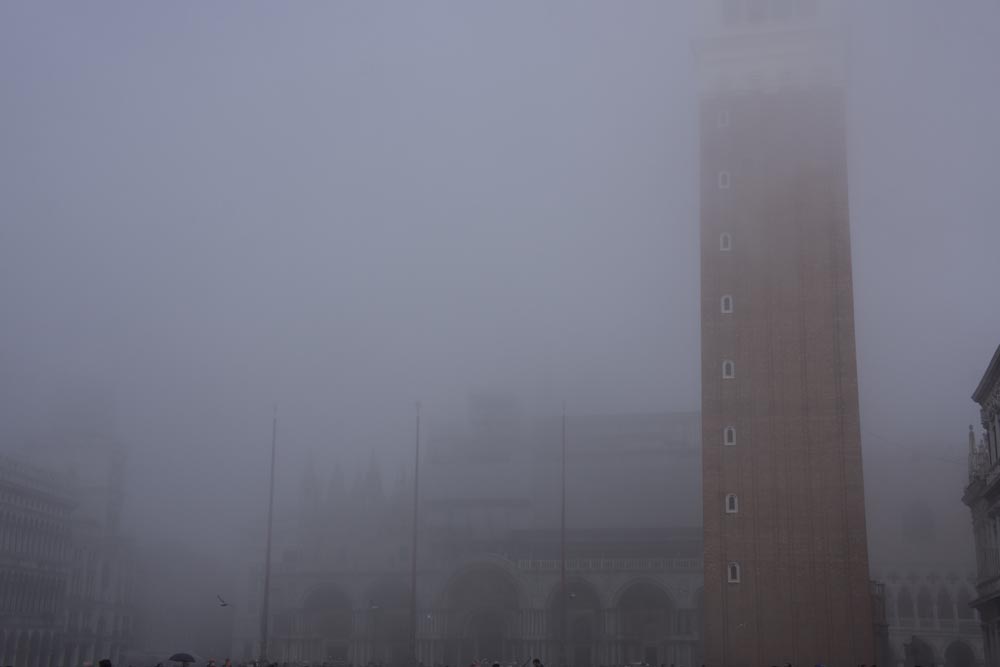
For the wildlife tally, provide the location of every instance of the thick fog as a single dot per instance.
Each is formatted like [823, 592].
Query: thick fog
[340, 209]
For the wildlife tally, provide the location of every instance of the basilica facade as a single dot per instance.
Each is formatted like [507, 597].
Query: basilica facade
[489, 566]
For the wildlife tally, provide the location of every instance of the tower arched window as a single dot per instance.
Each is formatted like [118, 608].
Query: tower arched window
[728, 370]
[729, 436]
[732, 504]
[727, 304]
[733, 574]
[724, 180]
[725, 242]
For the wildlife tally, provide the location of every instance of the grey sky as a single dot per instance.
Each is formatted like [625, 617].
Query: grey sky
[343, 207]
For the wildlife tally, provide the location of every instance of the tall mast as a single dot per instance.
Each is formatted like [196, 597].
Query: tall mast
[264, 610]
[562, 550]
[413, 546]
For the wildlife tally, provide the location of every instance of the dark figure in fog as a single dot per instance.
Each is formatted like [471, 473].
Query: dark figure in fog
[537, 663]
[105, 663]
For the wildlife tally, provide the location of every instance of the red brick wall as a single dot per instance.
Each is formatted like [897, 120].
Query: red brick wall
[800, 533]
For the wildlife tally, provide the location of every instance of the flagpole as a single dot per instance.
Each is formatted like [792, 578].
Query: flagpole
[562, 548]
[413, 546]
[264, 610]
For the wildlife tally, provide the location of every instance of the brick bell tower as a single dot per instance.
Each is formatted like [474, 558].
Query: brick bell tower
[786, 555]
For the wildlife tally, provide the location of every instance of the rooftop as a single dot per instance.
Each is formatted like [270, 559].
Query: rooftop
[990, 379]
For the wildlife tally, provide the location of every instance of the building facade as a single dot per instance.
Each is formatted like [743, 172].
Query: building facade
[489, 584]
[930, 620]
[498, 607]
[982, 495]
[786, 560]
[66, 565]
[35, 565]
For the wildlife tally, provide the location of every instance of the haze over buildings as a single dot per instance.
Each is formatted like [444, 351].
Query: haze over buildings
[341, 209]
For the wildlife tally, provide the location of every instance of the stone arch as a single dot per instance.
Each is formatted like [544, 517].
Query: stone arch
[481, 603]
[959, 654]
[616, 597]
[582, 607]
[919, 652]
[646, 621]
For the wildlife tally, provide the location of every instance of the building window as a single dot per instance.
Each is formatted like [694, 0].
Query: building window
[734, 573]
[728, 370]
[725, 242]
[732, 504]
[729, 436]
[727, 304]
[724, 180]
[722, 118]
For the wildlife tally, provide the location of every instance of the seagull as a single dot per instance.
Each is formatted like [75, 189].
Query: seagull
[222, 603]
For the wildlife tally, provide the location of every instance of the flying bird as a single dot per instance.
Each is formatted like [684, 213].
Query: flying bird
[222, 603]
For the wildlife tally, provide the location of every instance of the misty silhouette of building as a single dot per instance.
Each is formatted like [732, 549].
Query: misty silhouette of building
[73, 449]
[489, 565]
[922, 550]
[786, 560]
[930, 619]
[982, 495]
[35, 563]
[65, 570]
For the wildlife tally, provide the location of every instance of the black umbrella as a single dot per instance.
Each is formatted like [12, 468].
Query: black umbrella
[182, 657]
